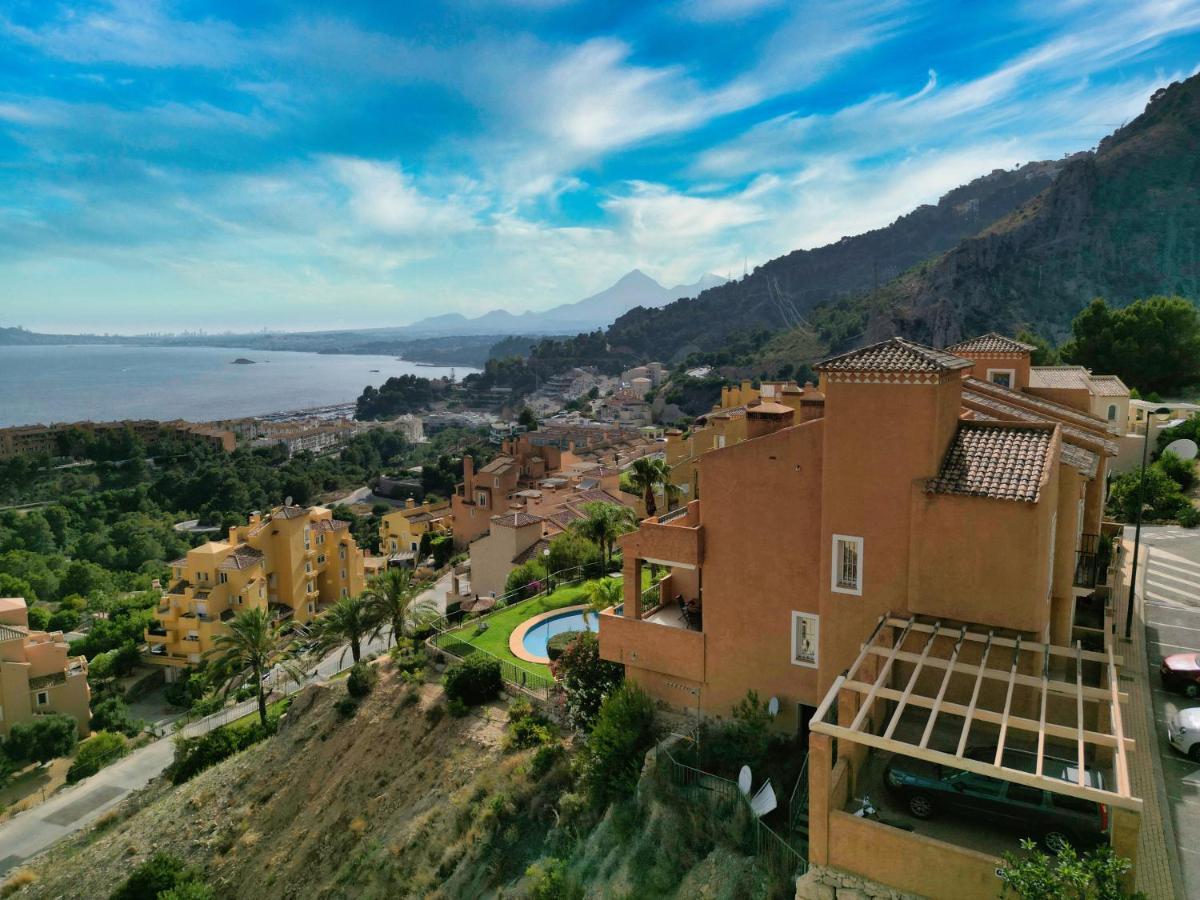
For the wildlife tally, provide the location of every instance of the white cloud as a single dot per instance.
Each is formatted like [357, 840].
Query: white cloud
[385, 199]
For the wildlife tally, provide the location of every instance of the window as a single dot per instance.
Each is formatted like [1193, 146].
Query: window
[1139, 415]
[321, 538]
[804, 639]
[222, 577]
[481, 498]
[720, 441]
[1023, 794]
[43, 698]
[847, 565]
[342, 552]
[307, 568]
[1112, 412]
[412, 545]
[345, 592]
[310, 587]
[343, 574]
[1002, 377]
[307, 537]
[321, 560]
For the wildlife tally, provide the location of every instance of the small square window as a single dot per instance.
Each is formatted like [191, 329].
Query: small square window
[804, 639]
[43, 698]
[1002, 377]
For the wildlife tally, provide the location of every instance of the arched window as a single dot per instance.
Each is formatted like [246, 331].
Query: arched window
[1112, 412]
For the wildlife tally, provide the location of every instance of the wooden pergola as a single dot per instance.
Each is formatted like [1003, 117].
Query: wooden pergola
[1007, 661]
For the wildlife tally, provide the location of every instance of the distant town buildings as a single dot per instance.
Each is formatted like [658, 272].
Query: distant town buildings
[37, 673]
[294, 561]
[46, 440]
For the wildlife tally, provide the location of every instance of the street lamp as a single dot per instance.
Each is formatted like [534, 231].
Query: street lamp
[1137, 533]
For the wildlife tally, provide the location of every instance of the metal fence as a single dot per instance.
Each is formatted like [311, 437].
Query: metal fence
[798, 802]
[777, 854]
[523, 679]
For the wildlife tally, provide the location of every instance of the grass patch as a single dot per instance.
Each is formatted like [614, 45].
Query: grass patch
[249, 720]
[501, 625]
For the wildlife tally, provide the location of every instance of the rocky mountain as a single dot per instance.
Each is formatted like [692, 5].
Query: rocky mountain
[633, 289]
[780, 294]
[1121, 223]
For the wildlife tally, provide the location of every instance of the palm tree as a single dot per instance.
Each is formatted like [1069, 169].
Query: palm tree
[248, 651]
[645, 476]
[348, 622]
[601, 594]
[391, 598]
[604, 523]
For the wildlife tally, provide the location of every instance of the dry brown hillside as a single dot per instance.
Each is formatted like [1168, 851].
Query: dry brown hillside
[386, 804]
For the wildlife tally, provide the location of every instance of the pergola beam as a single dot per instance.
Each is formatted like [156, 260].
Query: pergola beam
[970, 713]
[1012, 680]
[1079, 709]
[879, 678]
[908, 688]
[1122, 765]
[1041, 744]
[941, 694]
[1032, 646]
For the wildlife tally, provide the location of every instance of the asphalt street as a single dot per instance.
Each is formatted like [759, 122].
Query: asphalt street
[1172, 610]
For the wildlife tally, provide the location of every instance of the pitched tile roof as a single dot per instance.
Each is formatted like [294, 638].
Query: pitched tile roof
[1059, 411]
[595, 496]
[1081, 458]
[331, 525]
[1070, 377]
[1109, 386]
[894, 355]
[516, 519]
[565, 516]
[533, 551]
[242, 558]
[497, 466]
[176, 563]
[289, 512]
[998, 461]
[11, 633]
[992, 342]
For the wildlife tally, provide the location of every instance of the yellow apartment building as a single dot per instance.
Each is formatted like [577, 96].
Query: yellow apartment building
[294, 562]
[37, 674]
[400, 532]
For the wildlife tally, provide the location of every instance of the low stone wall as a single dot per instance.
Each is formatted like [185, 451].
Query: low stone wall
[826, 883]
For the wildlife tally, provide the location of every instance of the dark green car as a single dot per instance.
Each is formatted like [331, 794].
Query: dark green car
[927, 789]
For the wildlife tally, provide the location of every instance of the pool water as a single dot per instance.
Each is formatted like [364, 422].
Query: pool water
[535, 638]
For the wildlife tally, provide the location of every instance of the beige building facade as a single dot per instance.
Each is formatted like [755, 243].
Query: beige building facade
[38, 675]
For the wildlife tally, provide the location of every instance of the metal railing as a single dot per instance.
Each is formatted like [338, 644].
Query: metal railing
[531, 682]
[775, 852]
[798, 802]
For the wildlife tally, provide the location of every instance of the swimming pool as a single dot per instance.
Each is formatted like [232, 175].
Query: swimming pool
[534, 640]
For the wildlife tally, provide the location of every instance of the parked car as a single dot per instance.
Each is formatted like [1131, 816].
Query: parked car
[927, 789]
[1183, 731]
[1181, 672]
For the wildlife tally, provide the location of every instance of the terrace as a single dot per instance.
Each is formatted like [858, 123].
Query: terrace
[994, 734]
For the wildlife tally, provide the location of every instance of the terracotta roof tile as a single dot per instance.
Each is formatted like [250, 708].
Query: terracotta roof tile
[517, 519]
[992, 342]
[289, 512]
[1081, 458]
[330, 525]
[1092, 428]
[998, 461]
[1109, 386]
[242, 558]
[1069, 377]
[894, 355]
[534, 551]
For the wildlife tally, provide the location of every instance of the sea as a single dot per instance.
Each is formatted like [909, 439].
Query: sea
[66, 383]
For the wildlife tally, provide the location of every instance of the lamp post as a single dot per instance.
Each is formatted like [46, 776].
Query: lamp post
[1137, 532]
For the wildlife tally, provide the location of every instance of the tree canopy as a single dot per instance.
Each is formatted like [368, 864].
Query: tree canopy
[1153, 344]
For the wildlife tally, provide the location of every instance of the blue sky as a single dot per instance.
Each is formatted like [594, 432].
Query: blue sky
[249, 164]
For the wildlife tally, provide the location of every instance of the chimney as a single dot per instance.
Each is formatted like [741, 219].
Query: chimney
[766, 418]
[812, 403]
[468, 476]
[410, 503]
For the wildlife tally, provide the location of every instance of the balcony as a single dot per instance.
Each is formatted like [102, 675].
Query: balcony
[658, 646]
[1090, 567]
[675, 539]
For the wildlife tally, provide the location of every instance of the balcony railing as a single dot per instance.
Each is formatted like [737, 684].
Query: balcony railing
[1089, 567]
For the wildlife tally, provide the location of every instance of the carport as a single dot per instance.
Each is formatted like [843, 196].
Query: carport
[934, 690]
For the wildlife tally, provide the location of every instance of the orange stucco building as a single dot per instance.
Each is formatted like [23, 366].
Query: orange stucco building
[37, 673]
[912, 482]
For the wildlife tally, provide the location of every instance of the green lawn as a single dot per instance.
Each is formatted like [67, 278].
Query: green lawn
[251, 719]
[495, 639]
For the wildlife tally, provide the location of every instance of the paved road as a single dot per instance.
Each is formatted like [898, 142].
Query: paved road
[29, 833]
[1172, 611]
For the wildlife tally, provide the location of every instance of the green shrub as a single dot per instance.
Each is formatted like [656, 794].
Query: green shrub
[194, 755]
[623, 732]
[586, 679]
[361, 680]
[346, 707]
[160, 874]
[63, 620]
[1189, 516]
[39, 618]
[98, 751]
[520, 708]
[530, 731]
[1160, 493]
[43, 739]
[189, 890]
[186, 690]
[549, 880]
[744, 740]
[544, 758]
[112, 714]
[559, 642]
[525, 580]
[475, 680]
[1181, 471]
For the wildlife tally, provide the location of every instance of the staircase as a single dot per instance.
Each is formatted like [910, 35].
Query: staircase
[798, 810]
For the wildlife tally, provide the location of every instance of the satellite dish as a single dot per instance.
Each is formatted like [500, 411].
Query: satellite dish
[1184, 448]
[773, 707]
[744, 780]
[764, 801]
[287, 501]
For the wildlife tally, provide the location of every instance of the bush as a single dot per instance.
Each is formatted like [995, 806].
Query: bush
[63, 620]
[520, 708]
[544, 759]
[39, 618]
[586, 679]
[111, 714]
[160, 874]
[186, 690]
[624, 731]
[1161, 494]
[194, 755]
[361, 680]
[1036, 875]
[346, 707]
[744, 740]
[475, 680]
[549, 880]
[525, 580]
[1181, 471]
[559, 643]
[530, 731]
[43, 739]
[1189, 516]
[95, 753]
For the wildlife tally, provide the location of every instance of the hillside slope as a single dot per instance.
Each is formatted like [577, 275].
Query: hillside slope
[1122, 223]
[779, 293]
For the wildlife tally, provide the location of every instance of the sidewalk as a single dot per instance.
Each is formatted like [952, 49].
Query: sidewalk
[1157, 874]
